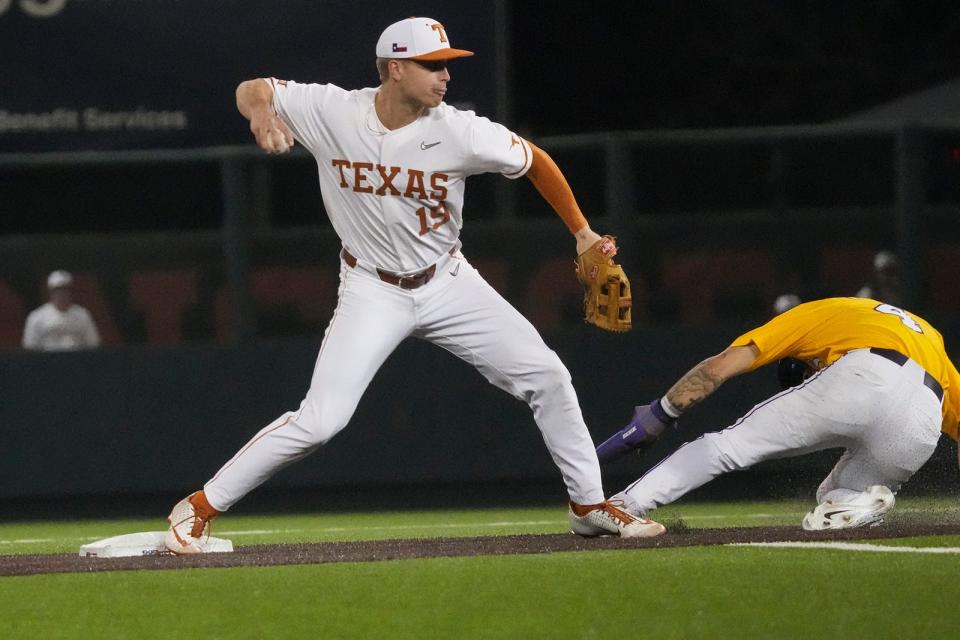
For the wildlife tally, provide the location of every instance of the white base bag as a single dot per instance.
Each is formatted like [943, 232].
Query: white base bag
[148, 543]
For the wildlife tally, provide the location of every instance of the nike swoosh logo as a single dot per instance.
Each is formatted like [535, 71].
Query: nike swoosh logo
[425, 146]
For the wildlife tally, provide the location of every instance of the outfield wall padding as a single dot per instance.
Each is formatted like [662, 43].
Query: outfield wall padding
[157, 419]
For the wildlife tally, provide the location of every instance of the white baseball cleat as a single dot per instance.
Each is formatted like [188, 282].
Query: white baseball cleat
[606, 519]
[190, 524]
[865, 510]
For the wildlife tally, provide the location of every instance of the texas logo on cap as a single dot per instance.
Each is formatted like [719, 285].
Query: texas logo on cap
[417, 39]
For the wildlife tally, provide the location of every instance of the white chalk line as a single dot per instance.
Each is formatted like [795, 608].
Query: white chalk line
[258, 532]
[395, 527]
[447, 525]
[847, 546]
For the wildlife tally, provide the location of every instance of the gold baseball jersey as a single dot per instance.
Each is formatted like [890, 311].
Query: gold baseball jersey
[819, 332]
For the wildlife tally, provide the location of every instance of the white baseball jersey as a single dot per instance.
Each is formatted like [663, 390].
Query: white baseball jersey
[395, 198]
[49, 329]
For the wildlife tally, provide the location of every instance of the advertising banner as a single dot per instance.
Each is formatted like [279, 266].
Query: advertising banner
[129, 74]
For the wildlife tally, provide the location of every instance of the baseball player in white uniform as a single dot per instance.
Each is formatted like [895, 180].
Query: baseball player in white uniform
[60, 324]
[392, 164]
[880, 386]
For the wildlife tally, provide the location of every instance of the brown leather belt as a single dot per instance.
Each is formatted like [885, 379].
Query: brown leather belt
[413, 281]
[895, 356]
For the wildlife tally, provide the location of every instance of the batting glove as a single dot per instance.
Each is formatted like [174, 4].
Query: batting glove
[791, 372]
[649, 421]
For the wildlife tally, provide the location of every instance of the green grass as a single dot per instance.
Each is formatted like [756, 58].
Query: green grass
[705, 592]
[669, 593]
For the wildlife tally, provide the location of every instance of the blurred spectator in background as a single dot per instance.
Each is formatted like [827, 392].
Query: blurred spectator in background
[785, 302]
[60, 325]
[885, 285]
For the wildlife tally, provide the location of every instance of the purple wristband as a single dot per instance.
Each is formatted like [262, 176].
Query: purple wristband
[657, 410]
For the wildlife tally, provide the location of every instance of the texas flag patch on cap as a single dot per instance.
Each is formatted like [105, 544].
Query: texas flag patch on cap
[413, 38]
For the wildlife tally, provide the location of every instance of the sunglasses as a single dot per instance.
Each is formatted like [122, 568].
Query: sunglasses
[431, 65]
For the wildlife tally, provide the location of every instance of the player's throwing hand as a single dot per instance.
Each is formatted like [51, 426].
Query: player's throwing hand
[272, 133]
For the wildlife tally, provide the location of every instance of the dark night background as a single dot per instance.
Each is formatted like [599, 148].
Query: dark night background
[590, 67]
[572, 68]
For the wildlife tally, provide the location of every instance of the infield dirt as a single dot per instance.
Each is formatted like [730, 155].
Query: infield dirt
[380, 550]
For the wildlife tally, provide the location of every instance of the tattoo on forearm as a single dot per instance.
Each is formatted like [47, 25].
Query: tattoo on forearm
[694, 387]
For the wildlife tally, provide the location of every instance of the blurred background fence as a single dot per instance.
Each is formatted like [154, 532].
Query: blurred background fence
[226, 244]
[212, 317]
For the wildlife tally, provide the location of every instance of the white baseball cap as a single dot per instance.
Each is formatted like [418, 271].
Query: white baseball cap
[59, 278]
[417, 39]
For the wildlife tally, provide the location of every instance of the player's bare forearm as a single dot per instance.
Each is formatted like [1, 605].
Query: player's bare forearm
[253, 96]
[254, 101]
[694, 387]
[705, 378]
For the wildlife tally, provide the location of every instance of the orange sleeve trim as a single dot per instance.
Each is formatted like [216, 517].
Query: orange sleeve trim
[526, 160]
[549, 181]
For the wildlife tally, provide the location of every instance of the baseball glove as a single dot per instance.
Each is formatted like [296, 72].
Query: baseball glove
[606, 289]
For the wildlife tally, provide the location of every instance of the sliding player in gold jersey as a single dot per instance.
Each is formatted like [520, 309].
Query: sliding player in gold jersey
[881, 386]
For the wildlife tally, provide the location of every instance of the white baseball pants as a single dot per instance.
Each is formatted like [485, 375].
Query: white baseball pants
[881, 413]
[457, 310]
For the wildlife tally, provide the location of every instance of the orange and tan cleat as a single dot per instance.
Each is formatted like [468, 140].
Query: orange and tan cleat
[607, 519]
[189, 524]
